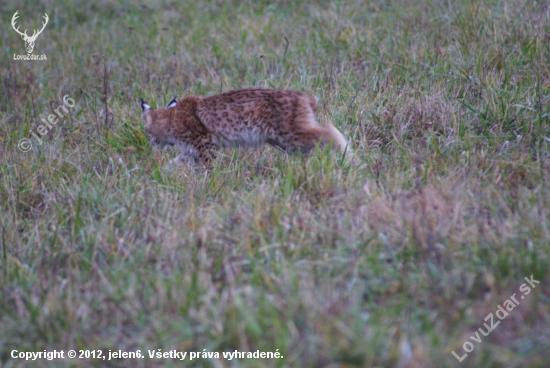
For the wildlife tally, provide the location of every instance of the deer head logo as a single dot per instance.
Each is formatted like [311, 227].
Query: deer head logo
[29, 40]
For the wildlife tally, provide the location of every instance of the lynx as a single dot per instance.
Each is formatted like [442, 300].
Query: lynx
[199, 126]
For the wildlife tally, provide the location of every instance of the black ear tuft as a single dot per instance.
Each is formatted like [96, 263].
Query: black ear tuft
[144, 105]
[172, 103]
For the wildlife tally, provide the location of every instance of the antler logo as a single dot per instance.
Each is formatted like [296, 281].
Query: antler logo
[29, 40]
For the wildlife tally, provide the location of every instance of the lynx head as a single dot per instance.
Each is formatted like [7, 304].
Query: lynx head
[157, 124]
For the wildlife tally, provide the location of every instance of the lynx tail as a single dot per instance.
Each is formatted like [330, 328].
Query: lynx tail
[338, 138]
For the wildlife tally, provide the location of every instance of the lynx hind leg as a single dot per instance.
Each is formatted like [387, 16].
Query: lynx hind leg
[322, 135]
[307, 133]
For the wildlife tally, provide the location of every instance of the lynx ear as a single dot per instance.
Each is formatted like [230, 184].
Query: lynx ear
[171, 103]
[144, 106]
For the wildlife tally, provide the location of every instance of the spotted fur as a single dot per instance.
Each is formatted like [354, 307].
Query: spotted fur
[200, 126]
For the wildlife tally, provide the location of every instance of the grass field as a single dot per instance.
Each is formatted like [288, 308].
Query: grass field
[393, 261]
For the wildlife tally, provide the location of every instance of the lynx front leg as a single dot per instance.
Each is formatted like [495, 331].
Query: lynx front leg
[197, 149]
[207, 152]
[180, 161]
[188, 154]
[187, 158]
